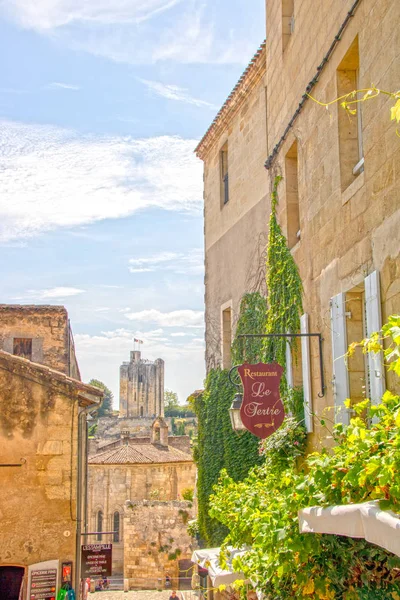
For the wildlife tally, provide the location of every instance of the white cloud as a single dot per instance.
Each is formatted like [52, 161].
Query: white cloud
[174, 92]
[52, 177]
[51, 14]
[64, 86]
[175, 318]
[190, 263]
[131, 31]
[51, 293]
[179, 334]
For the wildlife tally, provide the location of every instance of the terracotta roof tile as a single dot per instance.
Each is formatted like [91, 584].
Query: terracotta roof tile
[140, 454]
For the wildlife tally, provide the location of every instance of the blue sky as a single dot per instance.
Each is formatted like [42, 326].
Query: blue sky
[101, 106]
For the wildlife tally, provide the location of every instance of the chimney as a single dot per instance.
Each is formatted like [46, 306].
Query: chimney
[125, 435]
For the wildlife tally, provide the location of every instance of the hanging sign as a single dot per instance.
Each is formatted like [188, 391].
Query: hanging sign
[262, 411]
[96, 560]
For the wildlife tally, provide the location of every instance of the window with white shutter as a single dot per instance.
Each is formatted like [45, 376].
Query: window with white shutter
[374, 323]
[306, 370]
[339, 348]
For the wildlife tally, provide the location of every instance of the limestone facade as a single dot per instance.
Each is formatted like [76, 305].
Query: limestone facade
[134, 469]
[41, 333]
[339, 200]
[141, 387]
[43, 474]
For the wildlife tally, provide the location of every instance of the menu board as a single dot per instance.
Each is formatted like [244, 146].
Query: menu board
[43, 584]
[96, 560]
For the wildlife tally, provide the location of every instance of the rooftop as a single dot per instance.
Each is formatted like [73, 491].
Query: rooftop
[86, 394]
[140, 454]
[33, 307]
[252, 74]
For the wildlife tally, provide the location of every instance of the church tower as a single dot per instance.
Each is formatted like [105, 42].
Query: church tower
[141, 387]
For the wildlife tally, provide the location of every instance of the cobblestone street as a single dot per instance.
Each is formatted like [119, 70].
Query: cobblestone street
[132, 595]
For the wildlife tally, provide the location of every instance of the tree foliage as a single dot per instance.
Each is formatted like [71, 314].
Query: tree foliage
[106, 407]
[170, 400]
[262, 510]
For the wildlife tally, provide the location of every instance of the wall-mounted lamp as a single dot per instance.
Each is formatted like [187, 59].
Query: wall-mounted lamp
[234, 413]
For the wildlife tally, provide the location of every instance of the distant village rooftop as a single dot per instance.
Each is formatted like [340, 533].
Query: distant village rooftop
[140, 454]
[250, 77]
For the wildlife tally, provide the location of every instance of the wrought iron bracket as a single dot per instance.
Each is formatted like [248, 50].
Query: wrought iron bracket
[321, 394]
[20, 464]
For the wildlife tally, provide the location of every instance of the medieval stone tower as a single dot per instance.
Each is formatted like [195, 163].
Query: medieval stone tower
[141, 387]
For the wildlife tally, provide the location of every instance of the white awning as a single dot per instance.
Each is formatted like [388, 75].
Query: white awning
[367, 520]
[208, 558]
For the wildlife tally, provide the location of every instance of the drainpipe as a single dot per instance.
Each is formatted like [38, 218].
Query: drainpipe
[79, 481]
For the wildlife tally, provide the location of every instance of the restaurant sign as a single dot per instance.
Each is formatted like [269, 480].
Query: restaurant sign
[96, 560]
[262, 411]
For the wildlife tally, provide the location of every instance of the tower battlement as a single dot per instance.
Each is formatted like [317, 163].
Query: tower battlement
[141, 387]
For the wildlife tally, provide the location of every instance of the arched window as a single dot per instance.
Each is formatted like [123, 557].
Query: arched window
[99, 525]
[116, 523]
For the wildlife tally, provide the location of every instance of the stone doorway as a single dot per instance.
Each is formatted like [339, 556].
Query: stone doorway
[11, 579]
[185, 574]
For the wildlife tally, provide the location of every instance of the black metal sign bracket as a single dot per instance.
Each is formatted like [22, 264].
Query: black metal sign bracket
[321, 394]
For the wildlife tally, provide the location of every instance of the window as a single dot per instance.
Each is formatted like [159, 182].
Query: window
[224, 175]
[141, 411]
[23, 347]
[350, 126]
[140, 379]
[99, 525]
[226, 338]
[287, 21]
[292, 196]
[355, 314]
[116, 529]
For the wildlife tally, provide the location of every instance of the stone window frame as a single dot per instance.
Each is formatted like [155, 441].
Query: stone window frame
[37, 344]
[225, 354]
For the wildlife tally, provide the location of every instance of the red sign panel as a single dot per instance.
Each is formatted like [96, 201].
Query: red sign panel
[262, 410]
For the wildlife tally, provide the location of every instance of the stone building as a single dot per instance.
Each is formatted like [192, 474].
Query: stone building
[157, 543]
[135, 469]
[339, 200]
[41, 334]
[141, 387]
[43, 457]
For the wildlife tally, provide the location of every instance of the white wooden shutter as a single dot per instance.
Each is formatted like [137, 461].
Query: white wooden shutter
[340, 380]
[374, 323]
[289, 364]
[306, 370]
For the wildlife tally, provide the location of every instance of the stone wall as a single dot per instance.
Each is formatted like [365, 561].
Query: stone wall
[155, 539]
[48, 327]
[37, 499]
[347, 231]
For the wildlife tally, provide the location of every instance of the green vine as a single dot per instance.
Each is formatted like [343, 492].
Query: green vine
[284, 288]
[252, 319]
[218, 446]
